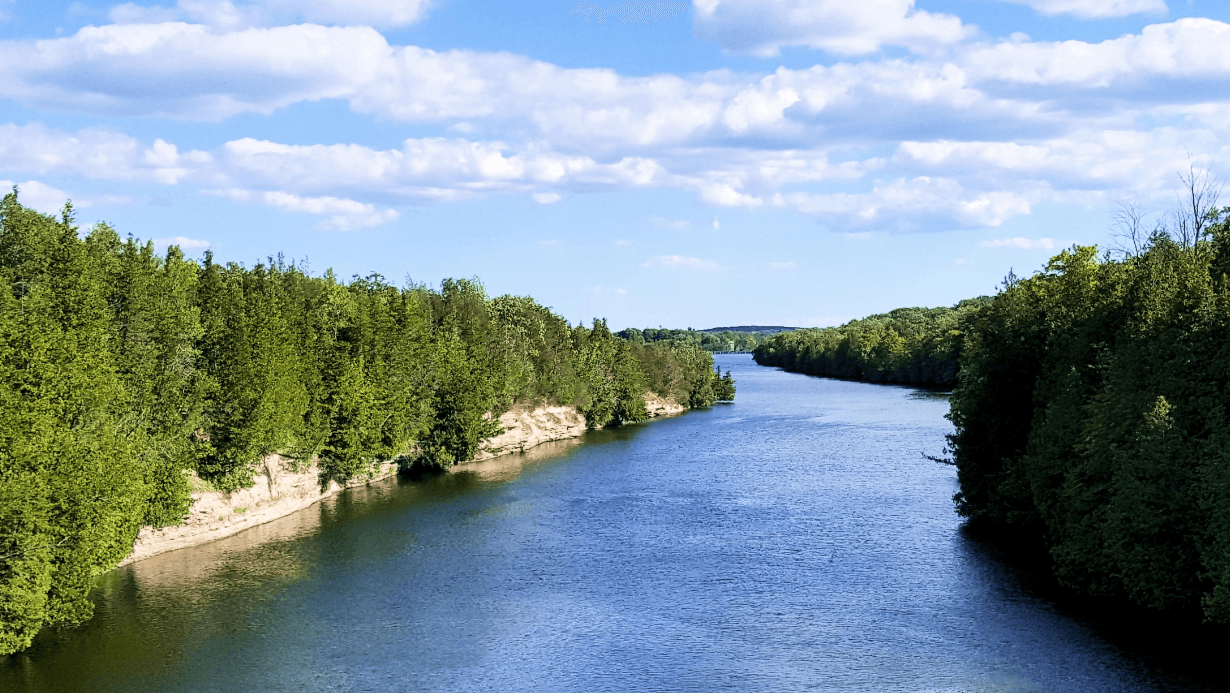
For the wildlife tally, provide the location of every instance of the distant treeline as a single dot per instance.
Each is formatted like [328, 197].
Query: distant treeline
[917, 346]
[742, 339]
[123, 371]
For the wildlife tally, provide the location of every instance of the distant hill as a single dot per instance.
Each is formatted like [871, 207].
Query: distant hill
[754, 329]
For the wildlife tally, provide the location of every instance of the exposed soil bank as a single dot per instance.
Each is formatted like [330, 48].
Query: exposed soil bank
[281, 490]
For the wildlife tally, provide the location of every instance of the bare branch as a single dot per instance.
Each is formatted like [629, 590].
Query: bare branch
[941, 460]
[1197, 210]
[1130, 222]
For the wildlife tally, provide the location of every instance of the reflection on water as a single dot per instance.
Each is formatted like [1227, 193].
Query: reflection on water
[793, 540]
[932, 395]
[156, 613]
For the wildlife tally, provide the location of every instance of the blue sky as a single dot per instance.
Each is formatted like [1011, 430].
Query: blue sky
[731, 162]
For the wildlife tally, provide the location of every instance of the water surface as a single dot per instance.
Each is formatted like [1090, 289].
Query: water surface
[794, 540]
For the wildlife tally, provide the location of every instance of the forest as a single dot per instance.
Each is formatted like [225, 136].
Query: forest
[717, 339]
[914, 346]
[125, 372]
[1092, 414]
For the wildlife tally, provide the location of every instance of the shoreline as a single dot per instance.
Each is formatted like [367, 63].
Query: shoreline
[280, 491]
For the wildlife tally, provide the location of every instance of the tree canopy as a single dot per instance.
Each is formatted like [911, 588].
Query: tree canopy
[123, 372]
[1093, 412]
[916, 346]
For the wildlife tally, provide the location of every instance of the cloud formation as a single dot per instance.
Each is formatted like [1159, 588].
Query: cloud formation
[1189, 48]
[962, 134]
[342, 214]
[912, 205]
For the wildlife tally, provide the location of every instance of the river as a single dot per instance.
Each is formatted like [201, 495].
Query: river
[794, 540]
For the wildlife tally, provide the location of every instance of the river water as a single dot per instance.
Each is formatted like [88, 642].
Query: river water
[794, 540]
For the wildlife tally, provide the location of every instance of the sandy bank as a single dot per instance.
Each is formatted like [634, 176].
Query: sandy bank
[280, 490]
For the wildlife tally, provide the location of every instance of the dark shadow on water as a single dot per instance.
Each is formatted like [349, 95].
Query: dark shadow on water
[1171, 646]
[932, 395]
[924, 389]
[417, 470]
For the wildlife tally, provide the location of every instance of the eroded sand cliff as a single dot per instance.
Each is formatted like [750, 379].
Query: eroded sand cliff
[280, 489]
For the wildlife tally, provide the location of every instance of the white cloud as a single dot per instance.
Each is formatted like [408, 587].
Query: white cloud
[423, 169]
[783, 266]
[725, 194]
[169, 166]
[91, 153]
[920, 204]
[712, 134]
[185, 243]
[343, 214]
[199, 72]
[978, 133]
[1095, 9]
[679, 262]
[427, 169]
[978, 182]
[968, 183]
[1186, 48]
[1139, 164]
[196, 72]
[764, 27]
[190, 70]
[1022, 243]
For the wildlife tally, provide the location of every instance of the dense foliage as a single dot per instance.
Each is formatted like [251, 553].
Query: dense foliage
[1093, 412]
[917, 346]
[124, 372]
[717, 339]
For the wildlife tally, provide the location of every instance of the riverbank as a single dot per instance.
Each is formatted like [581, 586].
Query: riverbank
[281, 489]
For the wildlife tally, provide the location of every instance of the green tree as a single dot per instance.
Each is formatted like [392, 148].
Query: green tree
[62, 424]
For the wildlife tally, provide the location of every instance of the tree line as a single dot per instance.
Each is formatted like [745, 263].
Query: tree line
[708, 340]
[1092, 414]
[915, 346]
[124, 372]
